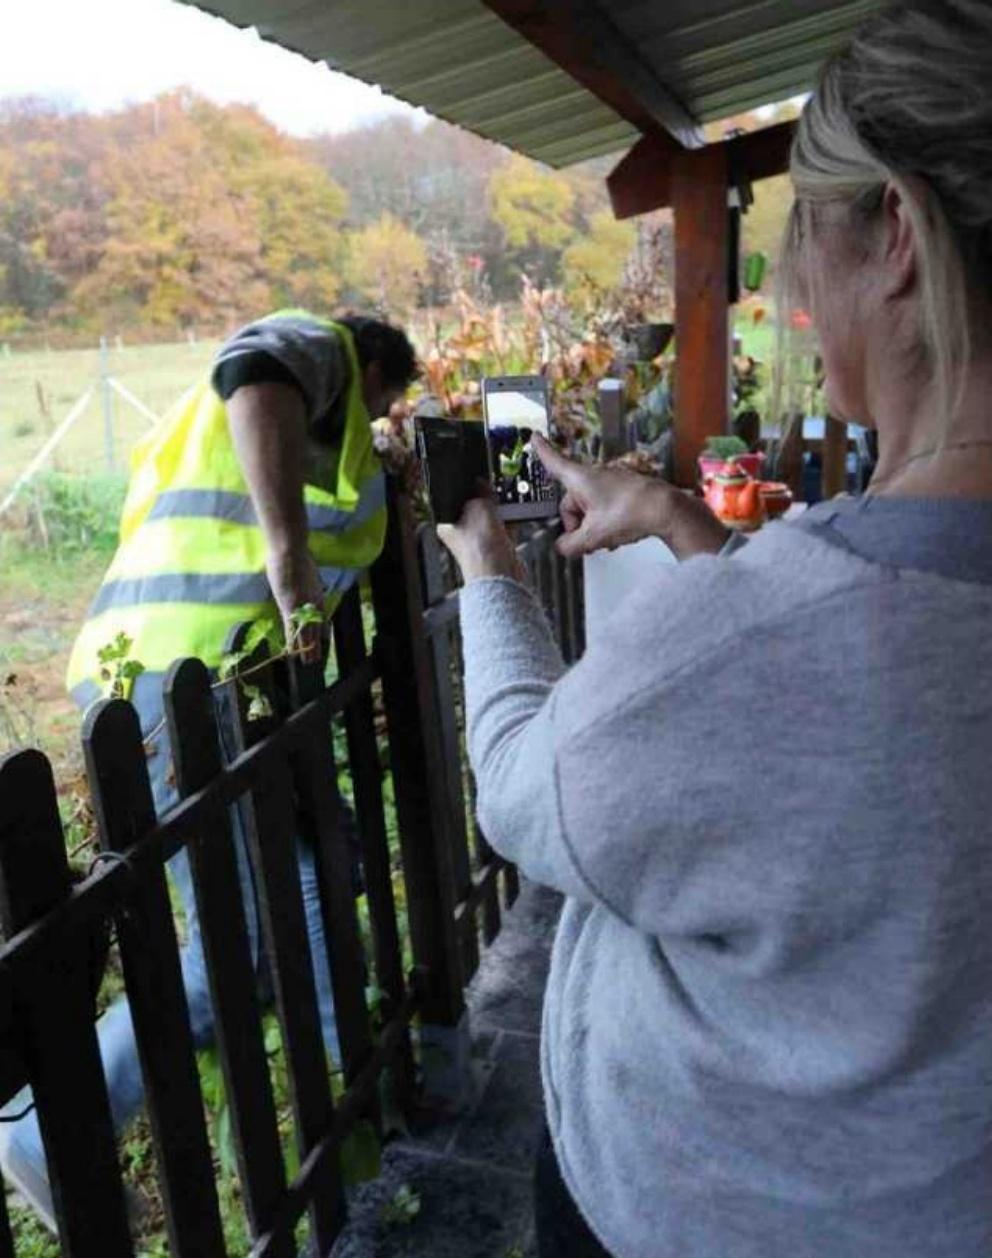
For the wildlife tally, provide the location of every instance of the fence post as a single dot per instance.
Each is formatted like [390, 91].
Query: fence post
[417, 761]
[55, 1017]
[456, 844]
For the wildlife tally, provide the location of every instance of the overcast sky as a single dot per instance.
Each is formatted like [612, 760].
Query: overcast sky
[100, 54]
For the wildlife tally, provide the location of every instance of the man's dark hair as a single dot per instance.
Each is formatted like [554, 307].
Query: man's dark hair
[389, 346]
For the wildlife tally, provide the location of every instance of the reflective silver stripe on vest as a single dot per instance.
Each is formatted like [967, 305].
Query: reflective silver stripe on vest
[183, 587]
[204, 587]
[337, 580]
[224, 504]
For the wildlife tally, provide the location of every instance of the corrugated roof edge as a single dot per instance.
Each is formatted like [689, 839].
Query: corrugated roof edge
[557, 154]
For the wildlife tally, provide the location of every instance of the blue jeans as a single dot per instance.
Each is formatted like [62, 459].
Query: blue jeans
[115, 1031]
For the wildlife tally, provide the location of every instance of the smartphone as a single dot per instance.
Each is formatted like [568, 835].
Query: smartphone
[454, 459]
[515, 407]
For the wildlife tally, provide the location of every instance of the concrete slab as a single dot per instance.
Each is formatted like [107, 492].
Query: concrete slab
[467, 1210]
[506, 1124]
[472, 1172]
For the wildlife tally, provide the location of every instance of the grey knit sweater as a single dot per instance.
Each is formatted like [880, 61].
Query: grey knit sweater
[767, 797]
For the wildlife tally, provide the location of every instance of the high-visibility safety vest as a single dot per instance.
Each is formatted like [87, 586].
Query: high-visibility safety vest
[191, 559]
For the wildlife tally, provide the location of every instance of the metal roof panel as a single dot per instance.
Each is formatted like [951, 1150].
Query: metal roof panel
[459, 61]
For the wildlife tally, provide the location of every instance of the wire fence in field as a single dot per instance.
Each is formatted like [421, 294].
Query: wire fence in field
[80, 412]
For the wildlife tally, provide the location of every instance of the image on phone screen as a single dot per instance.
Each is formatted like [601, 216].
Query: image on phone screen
[512, 418]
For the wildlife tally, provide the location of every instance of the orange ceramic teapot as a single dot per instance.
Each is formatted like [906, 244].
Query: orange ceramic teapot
[735, 499]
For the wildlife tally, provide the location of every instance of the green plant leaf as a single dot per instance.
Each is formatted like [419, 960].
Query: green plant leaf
[265, 630]
[230, 663]
[404, 1207]
[259, 707]
[306, 614]
[725, 447]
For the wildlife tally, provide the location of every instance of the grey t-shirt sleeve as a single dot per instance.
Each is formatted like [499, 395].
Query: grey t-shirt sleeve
[309, 351]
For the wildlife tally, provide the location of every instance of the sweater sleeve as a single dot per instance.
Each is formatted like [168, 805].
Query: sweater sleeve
[511, 668]
[641, 778]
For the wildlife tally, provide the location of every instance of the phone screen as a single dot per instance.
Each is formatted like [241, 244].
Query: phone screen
[513, 415]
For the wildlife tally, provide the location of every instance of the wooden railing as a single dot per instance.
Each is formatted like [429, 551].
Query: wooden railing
[399, 698]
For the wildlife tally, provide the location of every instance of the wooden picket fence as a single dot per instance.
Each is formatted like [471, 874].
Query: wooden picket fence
[407, 680]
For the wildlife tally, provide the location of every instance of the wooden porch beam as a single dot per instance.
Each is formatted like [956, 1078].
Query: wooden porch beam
[643, 179]
[580, 36]
[702, 331]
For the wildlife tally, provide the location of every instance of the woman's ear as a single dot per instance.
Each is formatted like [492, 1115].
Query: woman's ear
[901, 210]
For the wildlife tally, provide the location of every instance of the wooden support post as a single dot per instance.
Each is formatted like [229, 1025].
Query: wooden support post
[702, 403]
[834, 457]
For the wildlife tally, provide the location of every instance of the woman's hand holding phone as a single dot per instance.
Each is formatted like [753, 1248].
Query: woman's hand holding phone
[480, 543]
[607, 507]
[602, 508]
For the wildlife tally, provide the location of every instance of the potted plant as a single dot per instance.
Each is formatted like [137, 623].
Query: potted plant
[720, 454]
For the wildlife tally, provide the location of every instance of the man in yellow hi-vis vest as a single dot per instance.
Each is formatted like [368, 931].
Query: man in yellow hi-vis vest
[259, 492]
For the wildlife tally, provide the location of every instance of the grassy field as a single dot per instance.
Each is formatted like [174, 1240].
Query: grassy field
[37, 391]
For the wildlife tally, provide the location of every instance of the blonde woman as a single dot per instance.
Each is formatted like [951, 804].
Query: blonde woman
[768, 797]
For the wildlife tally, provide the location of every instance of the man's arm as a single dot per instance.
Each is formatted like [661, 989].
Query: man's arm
[268, 425]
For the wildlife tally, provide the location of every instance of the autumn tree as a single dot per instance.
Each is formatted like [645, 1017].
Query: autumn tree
[595, 262]
[534, 208]
[387, 263]
[51, 207]
[434, 179]
[213, 216]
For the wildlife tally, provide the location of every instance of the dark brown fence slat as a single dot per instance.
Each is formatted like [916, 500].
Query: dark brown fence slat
[197, 760]
[268, 821]
[122, 800]
[577, 609]
[315, 775]
[452, 803]
[366, 776]
[561, 621]
[415, 758]
[546, 580]
[484, 854]
[6, 1236]
[58, 1033]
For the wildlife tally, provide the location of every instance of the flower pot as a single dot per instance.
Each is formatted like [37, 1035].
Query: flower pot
[751, 463]
[776, 498]
[711, 465]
